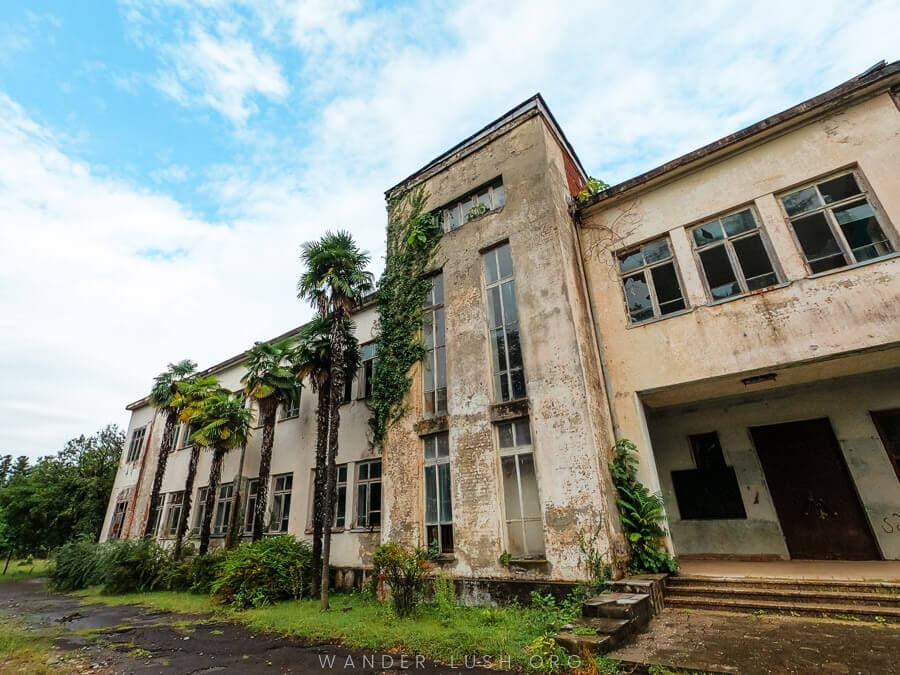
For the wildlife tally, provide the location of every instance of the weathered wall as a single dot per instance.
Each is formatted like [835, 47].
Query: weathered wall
[565, 398]
[846, 402]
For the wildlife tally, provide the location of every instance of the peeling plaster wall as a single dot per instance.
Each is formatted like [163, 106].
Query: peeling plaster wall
[565, 394]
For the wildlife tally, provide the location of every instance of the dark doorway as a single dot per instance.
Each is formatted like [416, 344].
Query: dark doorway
[817, 506]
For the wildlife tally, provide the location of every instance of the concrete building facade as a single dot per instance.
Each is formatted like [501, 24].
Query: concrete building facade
[735, 313]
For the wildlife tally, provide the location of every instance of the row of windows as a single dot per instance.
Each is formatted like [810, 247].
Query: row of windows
[833, 222]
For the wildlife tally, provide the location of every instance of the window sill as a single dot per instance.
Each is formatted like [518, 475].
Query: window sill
[365, 530]
[526, 562]
[432, 425]
[287, 419]
[657, 319]
[846, 268]
[475, 219]
[509, 410]
[750, 294]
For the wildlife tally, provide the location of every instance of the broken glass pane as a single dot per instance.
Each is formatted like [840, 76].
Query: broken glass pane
[510, 488]
[863, 233]
[737, 223]
[668, 290]
[530, 502]
[801, 201]
[754, 262]
[708, 233]
[655, 251]
[719, 275]
[637, 297]
[839, 188]
[818, 243]
[630, 261]
[499, 195]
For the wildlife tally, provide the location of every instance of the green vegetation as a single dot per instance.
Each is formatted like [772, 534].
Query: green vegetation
[27, 568]
[405, 572]
[265, 571]
[23, 650]
[642, 513]
[594, 186]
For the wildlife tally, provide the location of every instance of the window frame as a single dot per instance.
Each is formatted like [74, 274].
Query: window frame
[441, 214]
[436, 462]
[515, 451]
[170, 520]
[431, 311]
[366, 370]
[340, 499]
[200, 504]
[139, 436]
[278, 497]
[734, 261]
[648, 279]
[364, 485]
[117, 523]
[223, 503]
[866, 193]
[289, 413]
[499, 283]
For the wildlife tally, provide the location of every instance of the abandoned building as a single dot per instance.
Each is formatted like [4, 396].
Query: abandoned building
[735, 313]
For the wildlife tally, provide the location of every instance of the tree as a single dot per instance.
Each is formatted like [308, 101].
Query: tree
[163, 397]
[270, 382]
[334, 283]
[311, 360]
[223, 422]
[189, 398]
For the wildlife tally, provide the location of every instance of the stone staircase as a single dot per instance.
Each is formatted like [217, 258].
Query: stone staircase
[610, 619]
[849, 600]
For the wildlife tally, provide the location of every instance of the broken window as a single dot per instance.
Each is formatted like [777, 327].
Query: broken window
[835, 223]
[250, 510]
[368, 494]
[118, 519]
[524, 529]
[487, 198]
[289, 410]
[710, 491]
[174, 504]
[438, 502]
[733, 256]
[368, 353]
[137, 443]
[223, 508]
[434, 370]
[650, 282]
[281, 502]
[503, 323]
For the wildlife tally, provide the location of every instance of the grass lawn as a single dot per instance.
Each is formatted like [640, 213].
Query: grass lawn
[169, 601]
[22, 569]
[23, 650]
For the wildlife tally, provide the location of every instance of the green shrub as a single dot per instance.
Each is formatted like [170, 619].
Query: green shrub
[444, 593]
[176, 575]
[405, 571]
[132, 566]
[76, 565]
[260, 573]
[204, 570]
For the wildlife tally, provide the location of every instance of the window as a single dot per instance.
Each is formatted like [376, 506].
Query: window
[281, 502]
[503, 322]
[368, 494]
[137, 443]
[460, 211]
[650, 281]
[156, 516]
[835, 223]
[520, 493]
[250, 510]
[366, 370]
[200, 509]
[707, 451]
[188, 441]
[888, 424]
[118, 519]
[340, 502]
[174, 504]
[175, 433]
[434, 370]
[733, 256]
[289, 410]
[438, 503]
[223, 508]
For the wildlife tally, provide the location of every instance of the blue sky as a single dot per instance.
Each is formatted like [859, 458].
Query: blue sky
[162, 160]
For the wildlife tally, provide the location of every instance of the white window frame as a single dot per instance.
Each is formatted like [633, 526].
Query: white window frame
[222, 510]
[174, 505]
[199, 509]
[505, 325]
[363, 495]
[279, 496]
[250, 506]
[436, 461]
[368, 352]
[291, 410]
[517, 451]
[647, 268]
[432, 310]
[136, 445]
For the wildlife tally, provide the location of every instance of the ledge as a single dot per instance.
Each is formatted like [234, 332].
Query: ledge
[510, 410]
[432, 425]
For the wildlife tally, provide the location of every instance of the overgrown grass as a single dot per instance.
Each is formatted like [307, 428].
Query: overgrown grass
[167, 601]
[23, 569]
[23, 650]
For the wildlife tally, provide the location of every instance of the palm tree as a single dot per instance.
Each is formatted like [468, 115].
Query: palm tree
[334, 282]
[311, 360]
[189, 398]
[162, 397]
[271, 383]
[223, 422]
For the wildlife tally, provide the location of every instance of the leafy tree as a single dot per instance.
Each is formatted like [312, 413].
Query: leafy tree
[270, 382]
[223, 422]
[334, 282]
[163, 397]
[311, 359]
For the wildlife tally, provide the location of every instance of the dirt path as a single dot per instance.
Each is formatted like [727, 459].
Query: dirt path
[134, 639]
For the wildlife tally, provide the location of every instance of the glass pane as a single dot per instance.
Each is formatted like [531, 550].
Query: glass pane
[428, 330]
[441, 365]
[862, 231]
[839, 188]
[361, 505]
[467, 206]
[818, 242]
[441, 401]
[506, 435]
[754, 262]
[737, 223]
[375, 470]
[363, 471]
[430, 447]
[517, 378]
[534, 538]
[719, 275]
[665, 283]
[439, 337]
[501, 386]
[801, 201]
[431, 499]
[523, 432]
[437, 289]
[498, 348]
[446, 538]
[431, 534]
[490, 266]
[428, 368]
[446, 507]
[452, 218]
[630, 261]
[637, 297]
[510, 488]
[504, 260]
[495, 309]
[708, 233]
[375, 497]
[499, 195]
[516, 535]
[513, 347]
[510, 311]
[530, 501]
[443, 445]
[656, 251]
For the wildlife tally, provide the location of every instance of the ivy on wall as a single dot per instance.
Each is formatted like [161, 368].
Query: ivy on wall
[412, 238]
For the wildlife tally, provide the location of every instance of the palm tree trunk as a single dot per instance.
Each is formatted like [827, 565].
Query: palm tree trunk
[186, 502]
[337, 389]
[267, 412]
[165, 449]
[233, 532]
[215, 477]
[323, 410]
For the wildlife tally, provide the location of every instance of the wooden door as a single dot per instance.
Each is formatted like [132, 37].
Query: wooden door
[816, 502]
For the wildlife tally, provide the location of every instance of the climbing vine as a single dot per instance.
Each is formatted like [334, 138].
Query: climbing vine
[412, 237]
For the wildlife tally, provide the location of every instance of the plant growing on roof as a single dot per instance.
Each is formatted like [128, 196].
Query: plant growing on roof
[593, 186]
[164, 397]
[412, 238]
[334, 282]
[271, 382]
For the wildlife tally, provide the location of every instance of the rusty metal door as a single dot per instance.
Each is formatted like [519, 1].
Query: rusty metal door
[817, 505]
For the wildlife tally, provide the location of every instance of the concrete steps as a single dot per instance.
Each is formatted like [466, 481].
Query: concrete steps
[856, 600]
